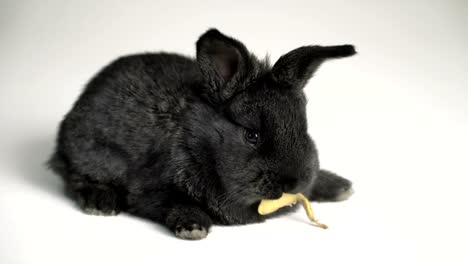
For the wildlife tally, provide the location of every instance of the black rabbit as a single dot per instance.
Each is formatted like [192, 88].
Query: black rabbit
[190, 143]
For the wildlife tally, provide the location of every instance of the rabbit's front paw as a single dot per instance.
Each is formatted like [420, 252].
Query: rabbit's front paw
[188, 222]
[191, 232]
[330, 187]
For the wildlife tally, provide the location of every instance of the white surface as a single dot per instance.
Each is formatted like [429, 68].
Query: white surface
[392, 119]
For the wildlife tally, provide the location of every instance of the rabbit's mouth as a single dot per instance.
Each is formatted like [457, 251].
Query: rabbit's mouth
[273, 195]
[256, 197]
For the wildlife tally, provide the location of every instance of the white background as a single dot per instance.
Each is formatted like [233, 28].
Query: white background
[392, 119]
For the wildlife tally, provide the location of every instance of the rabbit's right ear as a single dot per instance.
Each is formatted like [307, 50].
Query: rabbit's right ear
[294, 69]
[224, 63]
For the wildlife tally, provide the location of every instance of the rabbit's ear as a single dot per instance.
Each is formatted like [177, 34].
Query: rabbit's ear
[294, 69]
[223, 62]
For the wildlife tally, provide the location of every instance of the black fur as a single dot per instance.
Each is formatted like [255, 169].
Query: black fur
[163, 136]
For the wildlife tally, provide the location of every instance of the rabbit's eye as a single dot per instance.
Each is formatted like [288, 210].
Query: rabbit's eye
[251, 136]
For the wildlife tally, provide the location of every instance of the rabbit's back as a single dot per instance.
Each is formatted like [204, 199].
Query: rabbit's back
[127, 111]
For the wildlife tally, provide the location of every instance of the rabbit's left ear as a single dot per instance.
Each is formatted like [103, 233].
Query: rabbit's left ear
[224, 63]
[294, 69]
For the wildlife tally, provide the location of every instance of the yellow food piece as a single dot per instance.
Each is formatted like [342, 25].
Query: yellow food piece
[269, 206]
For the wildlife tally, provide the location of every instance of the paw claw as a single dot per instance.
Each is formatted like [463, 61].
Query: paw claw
[345, 194]
[94, 211]
[192, 232]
